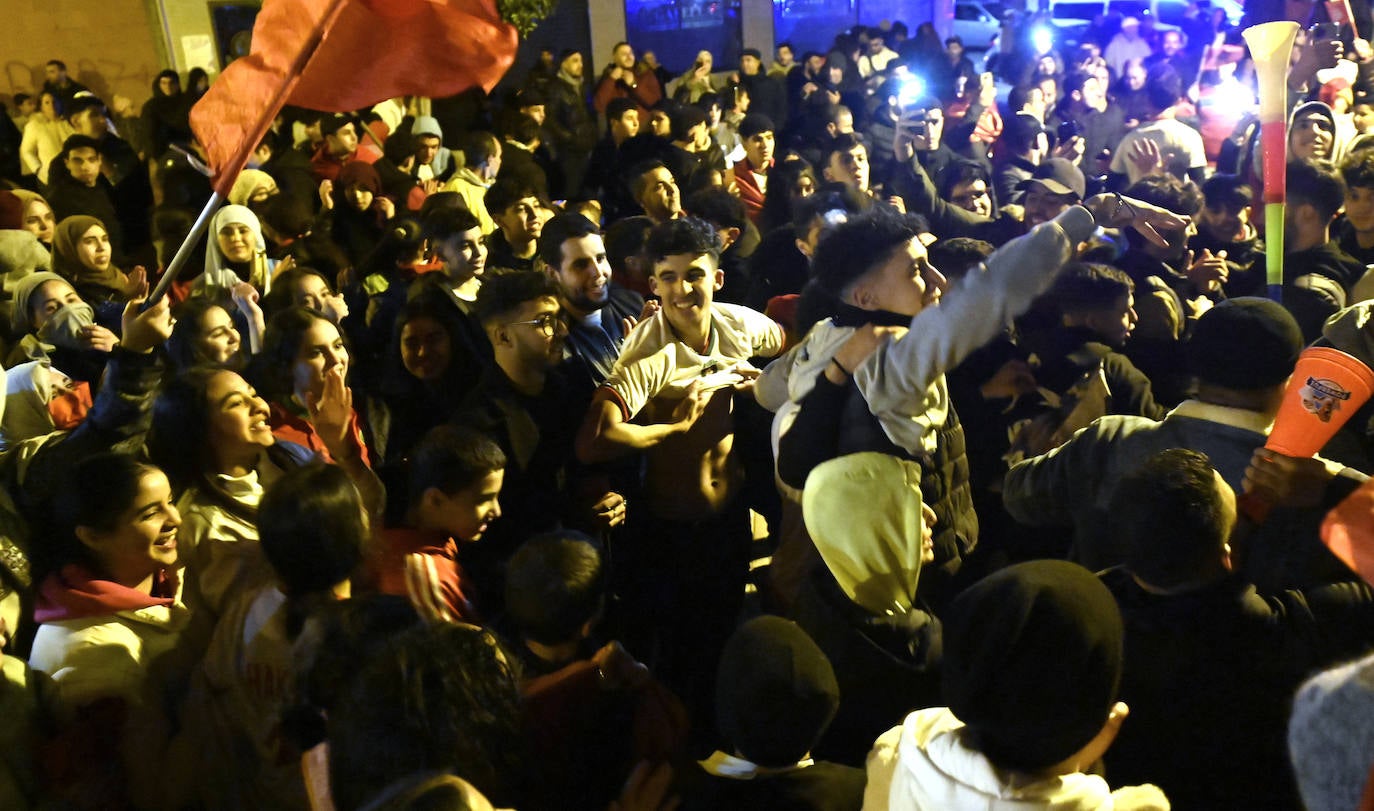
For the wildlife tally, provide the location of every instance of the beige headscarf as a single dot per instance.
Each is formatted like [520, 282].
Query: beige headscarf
[248, 182]
[864, 513]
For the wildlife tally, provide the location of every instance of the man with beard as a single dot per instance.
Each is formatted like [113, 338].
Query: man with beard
[1084, 102]
[619, 81]
[656, 191]
[570, 120]
[597, 309]
[521, 403]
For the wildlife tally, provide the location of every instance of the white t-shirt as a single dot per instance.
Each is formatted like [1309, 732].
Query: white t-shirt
[1176, 141]
[654, 361]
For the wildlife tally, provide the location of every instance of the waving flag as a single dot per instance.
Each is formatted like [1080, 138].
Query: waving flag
[339, 55]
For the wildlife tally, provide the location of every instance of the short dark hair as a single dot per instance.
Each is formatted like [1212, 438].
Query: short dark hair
[954, 39]
[478, 147]
[448, 222]
[843, 143]
[79, 142]
[1171, 518]
[1232, 192]
[560, 229]
[81, 104]
[1087, 286]
[718, 207]
[1163, 87]
[626, 238]
[686, 235]
[503, 293]
[521, 127]
[311, 527]
[617, 108]
[1358, 170]
[399, 147]
[20, 98]
[555, 584]
[962, 171]
[1074, 81]
[1317, 184]
[638, 175]
[506, 192]
[956, 256]
[57, 63]
[860, 245]
[452, 458]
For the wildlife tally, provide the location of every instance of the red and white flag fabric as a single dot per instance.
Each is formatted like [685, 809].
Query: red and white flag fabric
[339, 55]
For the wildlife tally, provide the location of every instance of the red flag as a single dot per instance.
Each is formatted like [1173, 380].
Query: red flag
[338, 55]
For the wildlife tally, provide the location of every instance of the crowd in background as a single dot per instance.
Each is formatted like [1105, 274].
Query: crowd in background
[877, 428]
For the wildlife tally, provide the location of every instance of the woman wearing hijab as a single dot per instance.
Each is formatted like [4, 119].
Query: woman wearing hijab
[165, 114]
[236, 252]
[252, 186]
[861, 606]
[358, 211]
[37, 217]
[82, 256]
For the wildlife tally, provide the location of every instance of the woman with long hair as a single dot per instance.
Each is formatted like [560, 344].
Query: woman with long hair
[111, 615]
[789, 183]
[210, 434]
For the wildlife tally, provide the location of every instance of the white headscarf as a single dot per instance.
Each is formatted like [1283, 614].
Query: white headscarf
[218, 273]
[864, 513]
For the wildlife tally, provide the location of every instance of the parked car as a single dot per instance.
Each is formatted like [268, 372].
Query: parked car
[978, 22]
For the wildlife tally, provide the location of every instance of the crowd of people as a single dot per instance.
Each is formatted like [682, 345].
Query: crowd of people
[829, 433]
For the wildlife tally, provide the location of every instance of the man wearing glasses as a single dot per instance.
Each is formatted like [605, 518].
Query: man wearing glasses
[522, 404]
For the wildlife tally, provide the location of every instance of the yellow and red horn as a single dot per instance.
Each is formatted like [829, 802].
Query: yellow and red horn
[1271, 47]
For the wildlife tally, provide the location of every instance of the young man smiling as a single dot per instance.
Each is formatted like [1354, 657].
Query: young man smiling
[574, 255]
[669, 396]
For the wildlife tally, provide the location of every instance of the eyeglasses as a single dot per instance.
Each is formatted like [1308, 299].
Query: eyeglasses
[547, 323]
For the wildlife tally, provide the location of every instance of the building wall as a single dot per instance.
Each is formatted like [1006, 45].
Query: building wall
[108, 45]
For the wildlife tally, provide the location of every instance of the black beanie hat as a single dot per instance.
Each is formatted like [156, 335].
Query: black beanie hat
[775, 692]
[1033, 662]
[1245, 343]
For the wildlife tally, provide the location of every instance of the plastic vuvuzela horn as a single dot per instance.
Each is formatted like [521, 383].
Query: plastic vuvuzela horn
[1271, 45]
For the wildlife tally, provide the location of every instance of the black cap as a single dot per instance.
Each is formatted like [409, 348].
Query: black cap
[1245, 343]
[754, 52]
[775, 691]
[1033, 662]
[755, 123]
[1058, 176]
